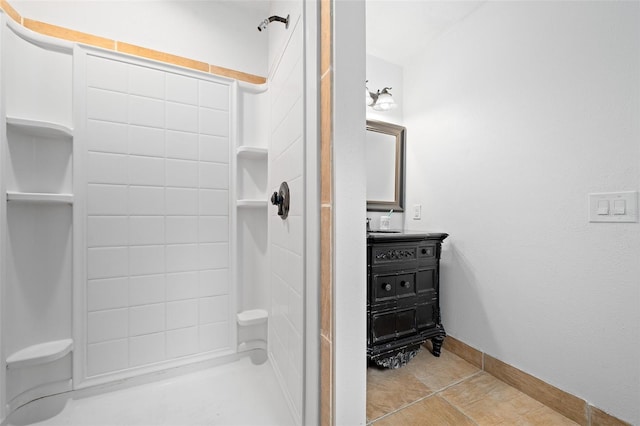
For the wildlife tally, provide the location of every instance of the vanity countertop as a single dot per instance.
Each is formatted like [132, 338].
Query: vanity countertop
[400, 234]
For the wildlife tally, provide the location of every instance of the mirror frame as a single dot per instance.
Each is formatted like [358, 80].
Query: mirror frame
[400, 133]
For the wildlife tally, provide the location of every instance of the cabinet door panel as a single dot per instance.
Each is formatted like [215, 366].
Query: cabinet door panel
[383, 327]
[406, 322]
[426, 315]
[426, 281]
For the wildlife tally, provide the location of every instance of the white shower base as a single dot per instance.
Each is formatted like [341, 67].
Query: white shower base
[238, 393]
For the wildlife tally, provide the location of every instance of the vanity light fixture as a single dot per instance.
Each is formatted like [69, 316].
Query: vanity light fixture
[380, 100]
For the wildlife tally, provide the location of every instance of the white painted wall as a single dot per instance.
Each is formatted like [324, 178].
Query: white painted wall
[286, 164]
[222, 33]
[349, 213]
[514, 116]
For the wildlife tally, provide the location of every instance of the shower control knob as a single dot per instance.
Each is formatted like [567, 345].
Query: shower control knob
[281, 199]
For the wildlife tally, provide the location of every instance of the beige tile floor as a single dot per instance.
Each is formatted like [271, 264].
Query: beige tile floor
[449, 391]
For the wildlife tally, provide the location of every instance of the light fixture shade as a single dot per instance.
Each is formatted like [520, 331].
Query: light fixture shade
[385, 101]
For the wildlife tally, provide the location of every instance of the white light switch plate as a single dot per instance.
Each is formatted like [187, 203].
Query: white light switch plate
[621, 207]
[417, 211]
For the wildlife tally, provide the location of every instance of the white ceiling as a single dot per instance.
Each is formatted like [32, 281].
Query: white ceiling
[397, 29]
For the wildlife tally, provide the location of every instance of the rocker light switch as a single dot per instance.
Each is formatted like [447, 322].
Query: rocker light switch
[619, 207]
[613, 207]
[603, 207]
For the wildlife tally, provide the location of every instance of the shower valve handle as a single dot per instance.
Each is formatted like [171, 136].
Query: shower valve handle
[281, 199]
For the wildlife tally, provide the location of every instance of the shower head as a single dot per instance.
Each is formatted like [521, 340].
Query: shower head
[263, 24]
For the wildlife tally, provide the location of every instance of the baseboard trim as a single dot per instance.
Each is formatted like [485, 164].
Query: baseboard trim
[570, 406]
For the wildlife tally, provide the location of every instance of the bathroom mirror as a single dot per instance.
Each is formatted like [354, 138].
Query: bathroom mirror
[385, 146]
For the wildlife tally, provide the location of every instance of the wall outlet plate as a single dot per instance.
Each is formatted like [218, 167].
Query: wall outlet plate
[613, 207]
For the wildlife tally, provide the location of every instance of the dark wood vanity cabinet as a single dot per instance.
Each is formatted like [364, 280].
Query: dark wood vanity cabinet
[403, 295]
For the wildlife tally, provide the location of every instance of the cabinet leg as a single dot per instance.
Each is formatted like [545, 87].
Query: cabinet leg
[437, 344]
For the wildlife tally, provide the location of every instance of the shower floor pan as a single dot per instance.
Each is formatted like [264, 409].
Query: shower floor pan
[238, 393]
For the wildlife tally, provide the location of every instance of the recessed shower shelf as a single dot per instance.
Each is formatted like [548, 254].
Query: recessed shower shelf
[42, 353]
[252, 152]
[39, 197]
[252, 203]
[40, 128]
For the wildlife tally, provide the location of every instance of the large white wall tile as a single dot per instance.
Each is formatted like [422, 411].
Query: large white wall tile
[182, 313]
[106, 74]
[213, 309]
[214, 122]
[145, 170]
[107, 325]
[105, 136]
[147, 82]
[107, 356]
[146, 260]
[213, 229]
[146, 230]
[146, 319]
[182, 117]
[107, 262]
[106, 105]
[182, 145]
[214, 95]
[182, 173]
[214, 148]
[213, 282]
[146, 200]
[145, 141]
[213, 255]
[182, 229]
[146, 289]
[107, 200]
[214, 202]
[182, 257]
[107, 293]
[182, 285]
[106, 168]
[146, 112]
[182, 342]
[182, 89]
[146, 349]
[181, 201]
[107, 231]
[213, 336]
[214, 176]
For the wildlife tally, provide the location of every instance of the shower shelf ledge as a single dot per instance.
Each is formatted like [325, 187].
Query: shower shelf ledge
[252, 203]
[42, 353]
[40, 128]
[40, 197]
[252, 152]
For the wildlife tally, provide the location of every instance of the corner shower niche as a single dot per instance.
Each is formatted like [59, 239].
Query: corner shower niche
[251, 175]
[37, 148]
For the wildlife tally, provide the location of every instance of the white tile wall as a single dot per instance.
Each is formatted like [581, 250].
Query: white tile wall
[286, 159]
[158, 216]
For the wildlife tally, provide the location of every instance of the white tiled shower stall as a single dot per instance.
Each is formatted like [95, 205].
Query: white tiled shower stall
[136, 224]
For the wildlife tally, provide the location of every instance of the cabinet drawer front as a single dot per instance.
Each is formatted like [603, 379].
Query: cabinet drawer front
[426, 281]
[406, 285]
[384, 287]
[427, 251]
[381, 255]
